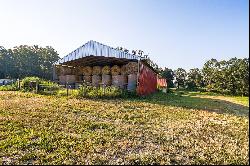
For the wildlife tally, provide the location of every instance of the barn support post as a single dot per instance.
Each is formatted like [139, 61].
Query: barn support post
[138, 73]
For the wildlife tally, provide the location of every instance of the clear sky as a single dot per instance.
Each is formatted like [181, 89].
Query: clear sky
[175, 33]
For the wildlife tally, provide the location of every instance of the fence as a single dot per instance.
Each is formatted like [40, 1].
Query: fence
[80, 89]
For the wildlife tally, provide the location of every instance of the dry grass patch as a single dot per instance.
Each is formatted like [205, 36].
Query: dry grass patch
[36, 129]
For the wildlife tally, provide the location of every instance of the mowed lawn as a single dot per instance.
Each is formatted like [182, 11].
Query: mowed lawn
[177, 128]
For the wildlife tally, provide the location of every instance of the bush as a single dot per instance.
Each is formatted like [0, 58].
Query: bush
[25, 83]
[29, 83]
[107, 92]
[48, 86]
[12, 87]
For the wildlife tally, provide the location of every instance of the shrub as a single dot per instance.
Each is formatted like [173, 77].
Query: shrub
[107, 92]
[12, 87]
[45, 87]
[25, 83]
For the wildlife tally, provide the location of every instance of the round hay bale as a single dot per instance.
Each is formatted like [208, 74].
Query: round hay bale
[73, 70]
[62, 79]
[119, 81]
[97, 70]
[65, 70]
[115, 70]
[58, 69]
[87, 70]
[132, 68]
[132, 80]
[96, 80]
[70, 78]
[124, 70]
[87, 79]
[106, 70]
[106, 79]
[79, 71]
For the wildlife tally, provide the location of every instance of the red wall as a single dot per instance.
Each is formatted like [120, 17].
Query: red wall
[147, 81]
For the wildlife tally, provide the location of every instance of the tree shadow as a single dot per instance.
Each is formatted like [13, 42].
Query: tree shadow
[195, 101]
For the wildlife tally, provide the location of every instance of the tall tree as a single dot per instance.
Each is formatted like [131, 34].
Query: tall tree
[26, 60]
[180, 75]
[194, 78]
[168, 74]
[230, 77]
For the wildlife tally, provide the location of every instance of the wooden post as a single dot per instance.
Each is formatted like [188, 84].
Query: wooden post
[104, 89]
[36, 86]
[138, 74]
[18, 84]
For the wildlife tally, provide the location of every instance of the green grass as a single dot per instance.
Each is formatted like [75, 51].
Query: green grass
[175, 128]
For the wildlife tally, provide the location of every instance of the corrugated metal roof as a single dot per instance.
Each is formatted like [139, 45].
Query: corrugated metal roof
[93, 48]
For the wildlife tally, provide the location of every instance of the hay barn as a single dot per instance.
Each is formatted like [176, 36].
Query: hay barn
[100, 65]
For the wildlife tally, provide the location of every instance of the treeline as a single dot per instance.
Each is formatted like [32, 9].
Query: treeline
[227, 77]
[24, 60]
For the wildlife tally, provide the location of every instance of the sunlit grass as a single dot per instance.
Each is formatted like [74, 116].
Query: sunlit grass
[175, 128]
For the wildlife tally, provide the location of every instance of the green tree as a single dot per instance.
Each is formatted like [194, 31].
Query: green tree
[229, 77]
[180, 76]
[168, 74]
[194, 79]
[26, 60]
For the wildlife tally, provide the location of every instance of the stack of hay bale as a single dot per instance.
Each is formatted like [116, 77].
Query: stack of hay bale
[106, 77]
[66, 74]
[87, 72]
[96, 78]
[132, 71]
[79, 73]
[119, 78]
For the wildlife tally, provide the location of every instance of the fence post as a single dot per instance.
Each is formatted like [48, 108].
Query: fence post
[36, 86]
[104, 89]
[18, 84]
[67, 86]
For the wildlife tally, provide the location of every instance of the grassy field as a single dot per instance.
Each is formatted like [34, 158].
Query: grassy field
[177, 128]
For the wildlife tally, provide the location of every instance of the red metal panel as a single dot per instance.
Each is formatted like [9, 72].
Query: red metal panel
[147, 81]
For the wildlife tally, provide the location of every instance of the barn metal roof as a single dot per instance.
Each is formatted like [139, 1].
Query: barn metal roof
[93, 48]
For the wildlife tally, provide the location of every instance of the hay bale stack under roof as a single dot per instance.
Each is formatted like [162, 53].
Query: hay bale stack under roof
[123, 70]
[115, 70]
[87, 79]
[58, 69]
[79, 70]
[97, 70]
[132, 68]
[119, 81]
[87, 70]
[73, 70]
[65, 70]
[106, 79]
[96, 80]
[106, 70]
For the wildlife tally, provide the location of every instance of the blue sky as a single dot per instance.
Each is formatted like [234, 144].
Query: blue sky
[175, 33]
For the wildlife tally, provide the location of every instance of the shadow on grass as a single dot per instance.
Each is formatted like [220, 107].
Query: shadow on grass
[183, 99]
[193, 101]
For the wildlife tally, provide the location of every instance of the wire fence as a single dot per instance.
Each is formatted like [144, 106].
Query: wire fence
[83, 89]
